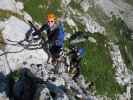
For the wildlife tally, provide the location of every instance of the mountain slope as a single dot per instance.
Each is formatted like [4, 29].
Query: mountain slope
[111, 18]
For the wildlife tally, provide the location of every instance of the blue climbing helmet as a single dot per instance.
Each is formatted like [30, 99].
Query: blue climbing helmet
[81, 52]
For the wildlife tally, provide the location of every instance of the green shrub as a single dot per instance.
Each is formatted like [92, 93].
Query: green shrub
[97, 67]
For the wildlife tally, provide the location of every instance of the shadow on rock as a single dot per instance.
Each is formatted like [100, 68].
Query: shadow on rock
[22, 85]
[3, 87]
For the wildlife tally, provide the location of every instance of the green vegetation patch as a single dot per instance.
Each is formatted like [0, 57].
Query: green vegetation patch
[6, 14]
[97, 67]
[2, 43]
[129, 2]
[38, 9]
[67, 28]
[80, 26]
[75, 6]
[14, 75]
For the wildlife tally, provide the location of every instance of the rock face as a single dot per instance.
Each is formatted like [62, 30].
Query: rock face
[15, 30]
[122, 74]
[3, 87]
[119, 8]
[42, 93]
[27, 85]
[60, 84]
[11, 5]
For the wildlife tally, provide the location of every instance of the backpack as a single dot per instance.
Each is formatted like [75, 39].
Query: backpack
[60, 37]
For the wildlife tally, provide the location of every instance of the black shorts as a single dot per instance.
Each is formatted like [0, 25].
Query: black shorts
[55, 51]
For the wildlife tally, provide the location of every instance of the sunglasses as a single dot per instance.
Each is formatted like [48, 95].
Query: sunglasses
[50, 21]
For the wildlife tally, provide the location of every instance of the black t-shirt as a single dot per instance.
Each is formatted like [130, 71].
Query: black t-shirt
[52, 34]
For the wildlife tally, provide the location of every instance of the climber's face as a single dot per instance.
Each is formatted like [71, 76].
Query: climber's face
[51, 23]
